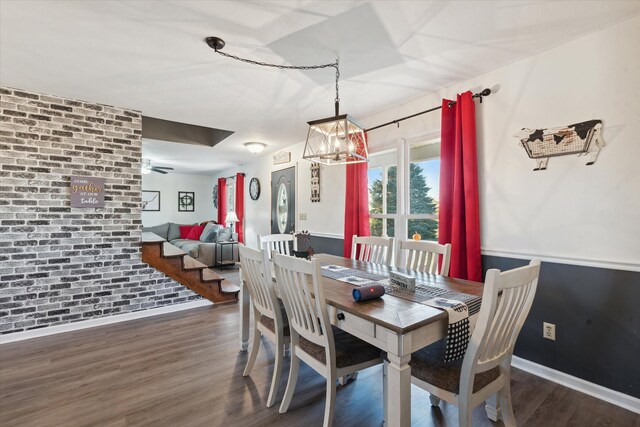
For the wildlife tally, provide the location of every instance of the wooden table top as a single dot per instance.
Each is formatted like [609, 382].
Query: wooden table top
[396, 314]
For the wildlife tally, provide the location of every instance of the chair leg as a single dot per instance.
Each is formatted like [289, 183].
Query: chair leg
[277, 371]
[504, 396]
[385, 387]
[291, 383]
[464, 410]
[330, 403]
[348, 378]
[435, 400]
[254, 350]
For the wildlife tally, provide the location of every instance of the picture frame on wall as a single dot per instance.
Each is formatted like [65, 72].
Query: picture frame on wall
[186, 201]
[150, 201]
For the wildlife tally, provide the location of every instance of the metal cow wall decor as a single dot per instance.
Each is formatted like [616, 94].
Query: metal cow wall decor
[580, 138]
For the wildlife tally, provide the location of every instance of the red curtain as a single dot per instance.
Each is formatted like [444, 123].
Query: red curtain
[222, 200]
[240, 206]
[459, 214]
[356, 205]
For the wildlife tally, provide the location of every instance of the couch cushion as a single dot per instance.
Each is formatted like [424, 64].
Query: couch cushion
[185, 230]
[350, 350]
[210, 232]
[161, 230]
[195, 232]
[224, 234]
[189, 246]
[174, 231]
[428, 365]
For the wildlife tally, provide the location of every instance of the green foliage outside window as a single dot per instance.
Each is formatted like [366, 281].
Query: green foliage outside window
[419, 200]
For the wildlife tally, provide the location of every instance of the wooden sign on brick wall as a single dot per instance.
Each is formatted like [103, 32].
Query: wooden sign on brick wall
[87, 192]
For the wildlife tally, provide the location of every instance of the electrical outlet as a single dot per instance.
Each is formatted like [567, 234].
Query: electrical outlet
[549, 331]
[303, 216]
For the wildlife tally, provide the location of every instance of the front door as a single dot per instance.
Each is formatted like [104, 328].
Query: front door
[283, 201]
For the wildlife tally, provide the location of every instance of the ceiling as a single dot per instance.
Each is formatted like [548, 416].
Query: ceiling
[150, 56]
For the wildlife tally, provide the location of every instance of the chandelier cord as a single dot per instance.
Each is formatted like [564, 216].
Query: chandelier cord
[335, 65]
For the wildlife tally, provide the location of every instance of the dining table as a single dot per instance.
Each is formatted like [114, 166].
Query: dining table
[397, 326]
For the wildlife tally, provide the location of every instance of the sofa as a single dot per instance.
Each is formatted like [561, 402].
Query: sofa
[202, 247]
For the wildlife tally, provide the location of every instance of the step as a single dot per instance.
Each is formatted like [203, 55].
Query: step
[209, 275]
[229, 288]
[170, 251]
[189, 263]
[151, 238]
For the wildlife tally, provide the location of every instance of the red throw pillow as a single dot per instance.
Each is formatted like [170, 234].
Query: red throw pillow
[185, 230]
[195, 232]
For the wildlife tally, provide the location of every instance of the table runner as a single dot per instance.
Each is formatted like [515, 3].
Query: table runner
[421, 294]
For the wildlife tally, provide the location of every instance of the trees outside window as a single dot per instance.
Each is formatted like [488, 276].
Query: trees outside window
[402, 207]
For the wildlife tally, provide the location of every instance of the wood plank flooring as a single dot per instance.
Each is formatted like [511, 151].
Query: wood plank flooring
[185, 369]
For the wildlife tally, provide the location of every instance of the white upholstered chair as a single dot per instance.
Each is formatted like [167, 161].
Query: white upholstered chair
[269, 317]
[486, 366]
[378, 250]
[280, 243]
[422, 255]
[326, 349]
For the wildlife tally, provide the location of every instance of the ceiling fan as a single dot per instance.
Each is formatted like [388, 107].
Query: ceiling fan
[147, 168]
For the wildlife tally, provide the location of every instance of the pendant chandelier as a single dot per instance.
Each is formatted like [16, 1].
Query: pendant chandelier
[336, 140]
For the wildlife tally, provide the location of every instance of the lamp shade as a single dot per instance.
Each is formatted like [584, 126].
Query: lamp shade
[336, 140]
[231, 217]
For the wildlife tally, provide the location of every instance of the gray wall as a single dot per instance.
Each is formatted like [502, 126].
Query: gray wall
[60, 264]
[597, 320]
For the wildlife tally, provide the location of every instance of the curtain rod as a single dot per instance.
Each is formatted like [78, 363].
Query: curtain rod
[485, 92]
[233, 176]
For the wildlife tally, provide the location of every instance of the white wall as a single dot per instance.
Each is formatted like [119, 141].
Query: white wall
[169, 185]
[570, 211]
[323, 218]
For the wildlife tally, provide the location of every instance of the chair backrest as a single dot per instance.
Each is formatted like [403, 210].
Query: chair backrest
[378, 250]
[257, 276]
[506, 301]
[422, 255]
[308, 316]
[280, 243]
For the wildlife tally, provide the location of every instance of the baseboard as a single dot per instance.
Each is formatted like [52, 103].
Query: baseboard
[614, 397]
[75, 326]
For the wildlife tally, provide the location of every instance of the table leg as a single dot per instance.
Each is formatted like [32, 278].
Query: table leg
[245, 308]
[398, 391]
[493, 408]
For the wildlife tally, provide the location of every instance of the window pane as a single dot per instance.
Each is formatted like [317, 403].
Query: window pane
[392, 190]
[424, 177]
[426, 228]
[375, 191]
[382, 227]
[383, 187]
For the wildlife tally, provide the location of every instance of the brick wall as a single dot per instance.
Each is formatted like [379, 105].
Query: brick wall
[60, 264]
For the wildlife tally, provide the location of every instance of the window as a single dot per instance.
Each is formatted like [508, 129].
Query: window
[383, 192]
[403, 190]
[424, 184]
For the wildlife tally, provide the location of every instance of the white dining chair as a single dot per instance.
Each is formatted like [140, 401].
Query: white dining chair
[486, 366]
[378, 250]
[422, 255]
[270, 319]
[328, 350]
[280, 243]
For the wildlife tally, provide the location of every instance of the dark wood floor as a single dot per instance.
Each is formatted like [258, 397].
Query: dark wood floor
[184, 369]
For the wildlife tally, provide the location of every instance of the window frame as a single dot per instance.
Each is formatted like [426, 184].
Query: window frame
[402, 216]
